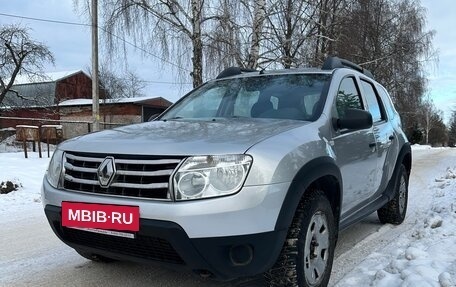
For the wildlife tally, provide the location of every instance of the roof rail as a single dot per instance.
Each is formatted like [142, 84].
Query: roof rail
[232, 71]
[336, 62]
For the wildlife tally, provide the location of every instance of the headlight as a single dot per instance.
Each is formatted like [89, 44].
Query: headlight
[211, 176]
[54, 170]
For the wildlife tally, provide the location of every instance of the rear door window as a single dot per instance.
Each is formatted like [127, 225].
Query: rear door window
[389, 107]
[373, 102]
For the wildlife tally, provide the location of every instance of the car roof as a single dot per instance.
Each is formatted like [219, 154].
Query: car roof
[329, 66]
[279, 72]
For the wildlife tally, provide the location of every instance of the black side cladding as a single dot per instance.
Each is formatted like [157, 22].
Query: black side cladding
[310, 172]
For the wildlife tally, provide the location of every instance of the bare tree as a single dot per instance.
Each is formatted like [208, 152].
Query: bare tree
[389, 37]
[236, 38]
[117, 84]
[259, 13]
[227, 39]
[330, 15]
[20, 55]
[175, 29]
[289, 30]
[120, 85]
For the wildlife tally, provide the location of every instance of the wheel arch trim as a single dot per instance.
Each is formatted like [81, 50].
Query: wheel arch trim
[304, 178]
[404, 157]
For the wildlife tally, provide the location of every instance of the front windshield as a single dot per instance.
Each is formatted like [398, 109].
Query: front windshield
[296, 97]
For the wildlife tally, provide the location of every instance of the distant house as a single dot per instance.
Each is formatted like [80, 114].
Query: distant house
[67, 96]
[49, 89]
[115, 111]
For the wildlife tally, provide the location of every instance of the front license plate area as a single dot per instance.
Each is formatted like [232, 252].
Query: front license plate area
[100, 216]
[107, 232]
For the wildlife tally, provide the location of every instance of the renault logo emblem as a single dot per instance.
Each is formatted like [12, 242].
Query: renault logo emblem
[106, 171]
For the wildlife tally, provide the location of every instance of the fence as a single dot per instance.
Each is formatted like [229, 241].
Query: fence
[71, 128]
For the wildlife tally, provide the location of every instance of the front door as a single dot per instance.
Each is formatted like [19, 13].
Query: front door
[355, 150]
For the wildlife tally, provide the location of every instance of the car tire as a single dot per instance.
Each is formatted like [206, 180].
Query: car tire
[395, 210]
[307, 255]
[95, 257]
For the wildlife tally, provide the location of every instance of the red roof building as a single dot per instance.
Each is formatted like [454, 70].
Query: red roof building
[67, 96]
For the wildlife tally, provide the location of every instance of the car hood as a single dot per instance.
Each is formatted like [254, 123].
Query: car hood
[182, 137]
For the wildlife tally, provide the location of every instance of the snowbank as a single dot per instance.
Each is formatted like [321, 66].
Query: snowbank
[425, 147]
[28, 173]
[420, 147]
[424, 256]
[11, 145]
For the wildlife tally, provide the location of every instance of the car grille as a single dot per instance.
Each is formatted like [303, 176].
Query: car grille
[152, 248]
[145, 177]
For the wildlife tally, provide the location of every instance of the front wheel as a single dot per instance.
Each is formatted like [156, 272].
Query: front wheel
[307, 255]
[394, 211]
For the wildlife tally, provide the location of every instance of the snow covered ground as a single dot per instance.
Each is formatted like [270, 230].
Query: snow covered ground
[11, 145]
[420, 252]
[425, 254]
[27, 173]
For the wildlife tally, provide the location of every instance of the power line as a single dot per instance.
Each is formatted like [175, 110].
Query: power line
[101, 28]
[144, 50]
[45, 20]
[164, 82]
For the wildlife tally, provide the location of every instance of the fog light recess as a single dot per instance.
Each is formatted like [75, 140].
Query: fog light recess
[241, 255]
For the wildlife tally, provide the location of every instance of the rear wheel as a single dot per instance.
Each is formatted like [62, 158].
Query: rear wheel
[307, 255]
[394, 211]
[94, 257]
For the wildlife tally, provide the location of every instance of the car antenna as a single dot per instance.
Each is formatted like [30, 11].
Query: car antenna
[267, 66]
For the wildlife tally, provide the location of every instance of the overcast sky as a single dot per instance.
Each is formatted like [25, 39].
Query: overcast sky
[71, 47]
[442, 79]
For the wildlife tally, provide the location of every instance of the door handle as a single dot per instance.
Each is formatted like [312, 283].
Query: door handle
[372, 145]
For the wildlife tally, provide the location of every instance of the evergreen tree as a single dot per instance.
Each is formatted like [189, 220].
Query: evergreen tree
[452, 130]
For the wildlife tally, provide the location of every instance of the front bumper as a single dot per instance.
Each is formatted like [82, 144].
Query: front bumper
[166, 242]
[252, 210]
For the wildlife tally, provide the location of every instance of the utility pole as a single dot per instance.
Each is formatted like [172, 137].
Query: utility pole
[95, 87]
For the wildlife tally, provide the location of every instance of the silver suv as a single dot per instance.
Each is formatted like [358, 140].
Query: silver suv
[254, 172]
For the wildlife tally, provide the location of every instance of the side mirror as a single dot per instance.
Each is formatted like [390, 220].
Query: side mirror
[354, 119]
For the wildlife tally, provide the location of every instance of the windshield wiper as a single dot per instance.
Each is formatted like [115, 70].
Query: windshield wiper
[173, 118]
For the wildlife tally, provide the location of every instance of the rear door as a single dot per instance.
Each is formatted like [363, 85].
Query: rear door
[384, 135]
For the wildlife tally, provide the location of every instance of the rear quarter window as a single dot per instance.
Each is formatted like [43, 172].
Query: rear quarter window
[388, 103]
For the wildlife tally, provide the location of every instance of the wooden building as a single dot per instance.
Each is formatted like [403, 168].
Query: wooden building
[113, 112]
[67, 96]
[39, 96]
[49, 89]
